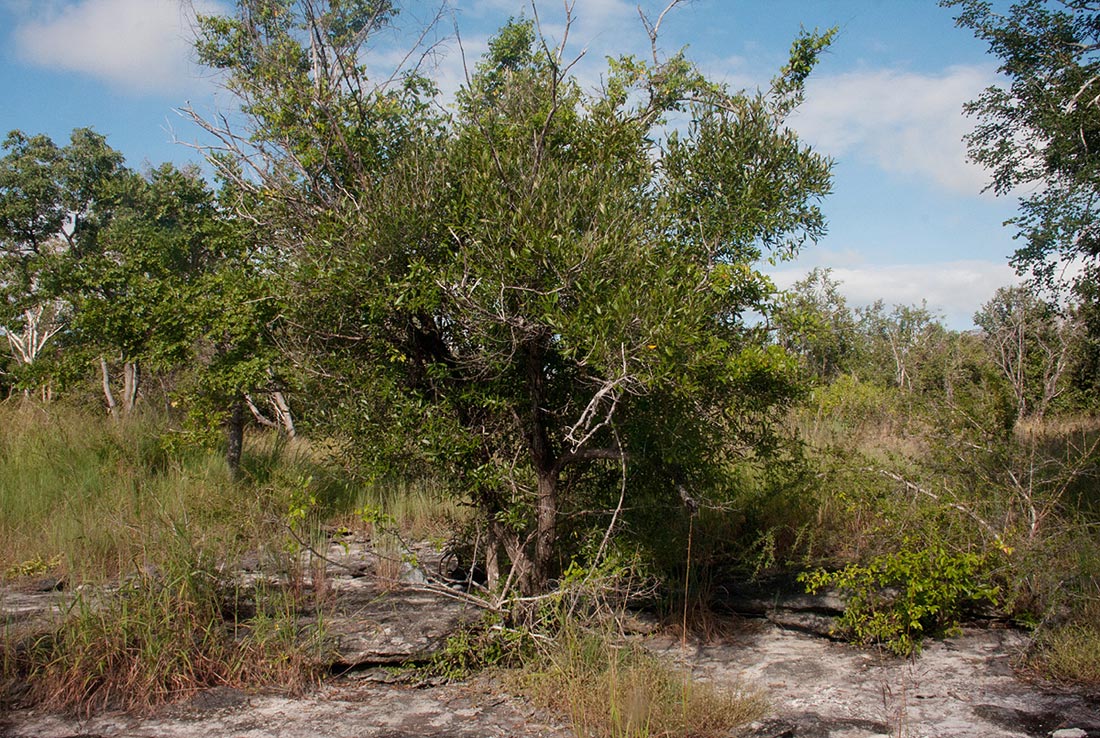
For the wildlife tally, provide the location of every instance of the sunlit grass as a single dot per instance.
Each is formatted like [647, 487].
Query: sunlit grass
[613, 689]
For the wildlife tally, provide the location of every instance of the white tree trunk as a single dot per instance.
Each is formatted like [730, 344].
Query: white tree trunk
[112, 406]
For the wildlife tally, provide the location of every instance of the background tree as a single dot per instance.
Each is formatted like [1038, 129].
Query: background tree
[900, 340]
[1030, 344]
[51, 208]
[1042, 130]
[125, 287]
[813, 320]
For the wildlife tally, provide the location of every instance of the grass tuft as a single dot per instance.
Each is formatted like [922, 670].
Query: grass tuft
[161, 637]
[1068, 654]
[615, 689]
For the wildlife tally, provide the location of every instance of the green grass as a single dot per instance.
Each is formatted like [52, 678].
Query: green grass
[154, 522]
[103, 494]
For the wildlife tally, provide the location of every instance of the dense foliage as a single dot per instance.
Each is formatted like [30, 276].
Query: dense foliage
[541, 296]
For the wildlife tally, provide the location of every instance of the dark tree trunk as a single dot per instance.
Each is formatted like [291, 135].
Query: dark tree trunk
[546, 471]
[235, 438]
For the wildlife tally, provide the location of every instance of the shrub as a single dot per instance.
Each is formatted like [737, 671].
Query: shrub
[897, 598]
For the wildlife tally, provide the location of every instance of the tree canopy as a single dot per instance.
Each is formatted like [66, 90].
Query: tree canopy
[542, 292]
[1040, 133]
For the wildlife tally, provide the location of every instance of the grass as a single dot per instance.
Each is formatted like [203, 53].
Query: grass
[610, 688]
[103, 495]
[420, 510]
[162, 637]
[1069, 654]
[154, 523]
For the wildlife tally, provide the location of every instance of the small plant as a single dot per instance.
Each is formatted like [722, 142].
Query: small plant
[486, 644]
[897, 598]
[33, 567]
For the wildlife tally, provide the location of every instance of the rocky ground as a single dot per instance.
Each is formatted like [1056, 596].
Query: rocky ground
[963, 687]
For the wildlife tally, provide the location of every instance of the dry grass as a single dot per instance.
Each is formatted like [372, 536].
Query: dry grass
[1070, 655]
[163, 637]
[613, 689]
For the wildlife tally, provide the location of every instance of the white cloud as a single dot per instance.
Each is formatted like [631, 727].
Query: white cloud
[903, 122]
[954, 289]
[139, 46]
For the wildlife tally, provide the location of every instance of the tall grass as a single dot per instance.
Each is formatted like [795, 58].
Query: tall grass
[156, 524]
[104, 495]
[101, 493]
[417, 510]
[161, 637]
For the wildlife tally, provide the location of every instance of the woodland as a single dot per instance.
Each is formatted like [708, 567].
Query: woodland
[534, 327]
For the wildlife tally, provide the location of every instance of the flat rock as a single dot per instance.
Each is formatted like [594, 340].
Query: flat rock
[340, 709]
[370, 626]
[962, 687]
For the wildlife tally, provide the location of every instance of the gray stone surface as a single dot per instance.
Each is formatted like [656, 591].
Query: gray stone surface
[963, 687]
[370, 625]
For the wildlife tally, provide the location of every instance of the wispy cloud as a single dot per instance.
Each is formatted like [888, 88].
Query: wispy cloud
[954, 289]
[138, 46]
[903, 122]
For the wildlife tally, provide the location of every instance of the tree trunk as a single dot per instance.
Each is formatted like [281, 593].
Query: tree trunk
[130, 381]
[112, 406]
[544, 462]
[546, 517]
[492, 554]
[235, 438]
[282, 412]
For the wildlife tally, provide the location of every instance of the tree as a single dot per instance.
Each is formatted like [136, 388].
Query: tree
[51, 207]
[813, 320]
[1030, 344]
[1042, 130]
[543, 293]
[902, 339]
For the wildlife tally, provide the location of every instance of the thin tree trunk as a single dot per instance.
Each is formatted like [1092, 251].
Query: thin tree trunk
[259, 416]
[282, 412]
[112, 406]
[492, 554]
[235, 438]
[130, 380]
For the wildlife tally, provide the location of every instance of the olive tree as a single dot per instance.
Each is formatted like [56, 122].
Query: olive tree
[541, 297]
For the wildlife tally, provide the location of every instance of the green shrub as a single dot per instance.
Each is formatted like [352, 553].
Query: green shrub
[897, 598]
[486, 644]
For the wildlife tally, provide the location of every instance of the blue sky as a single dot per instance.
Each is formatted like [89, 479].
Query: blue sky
[907, 220]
